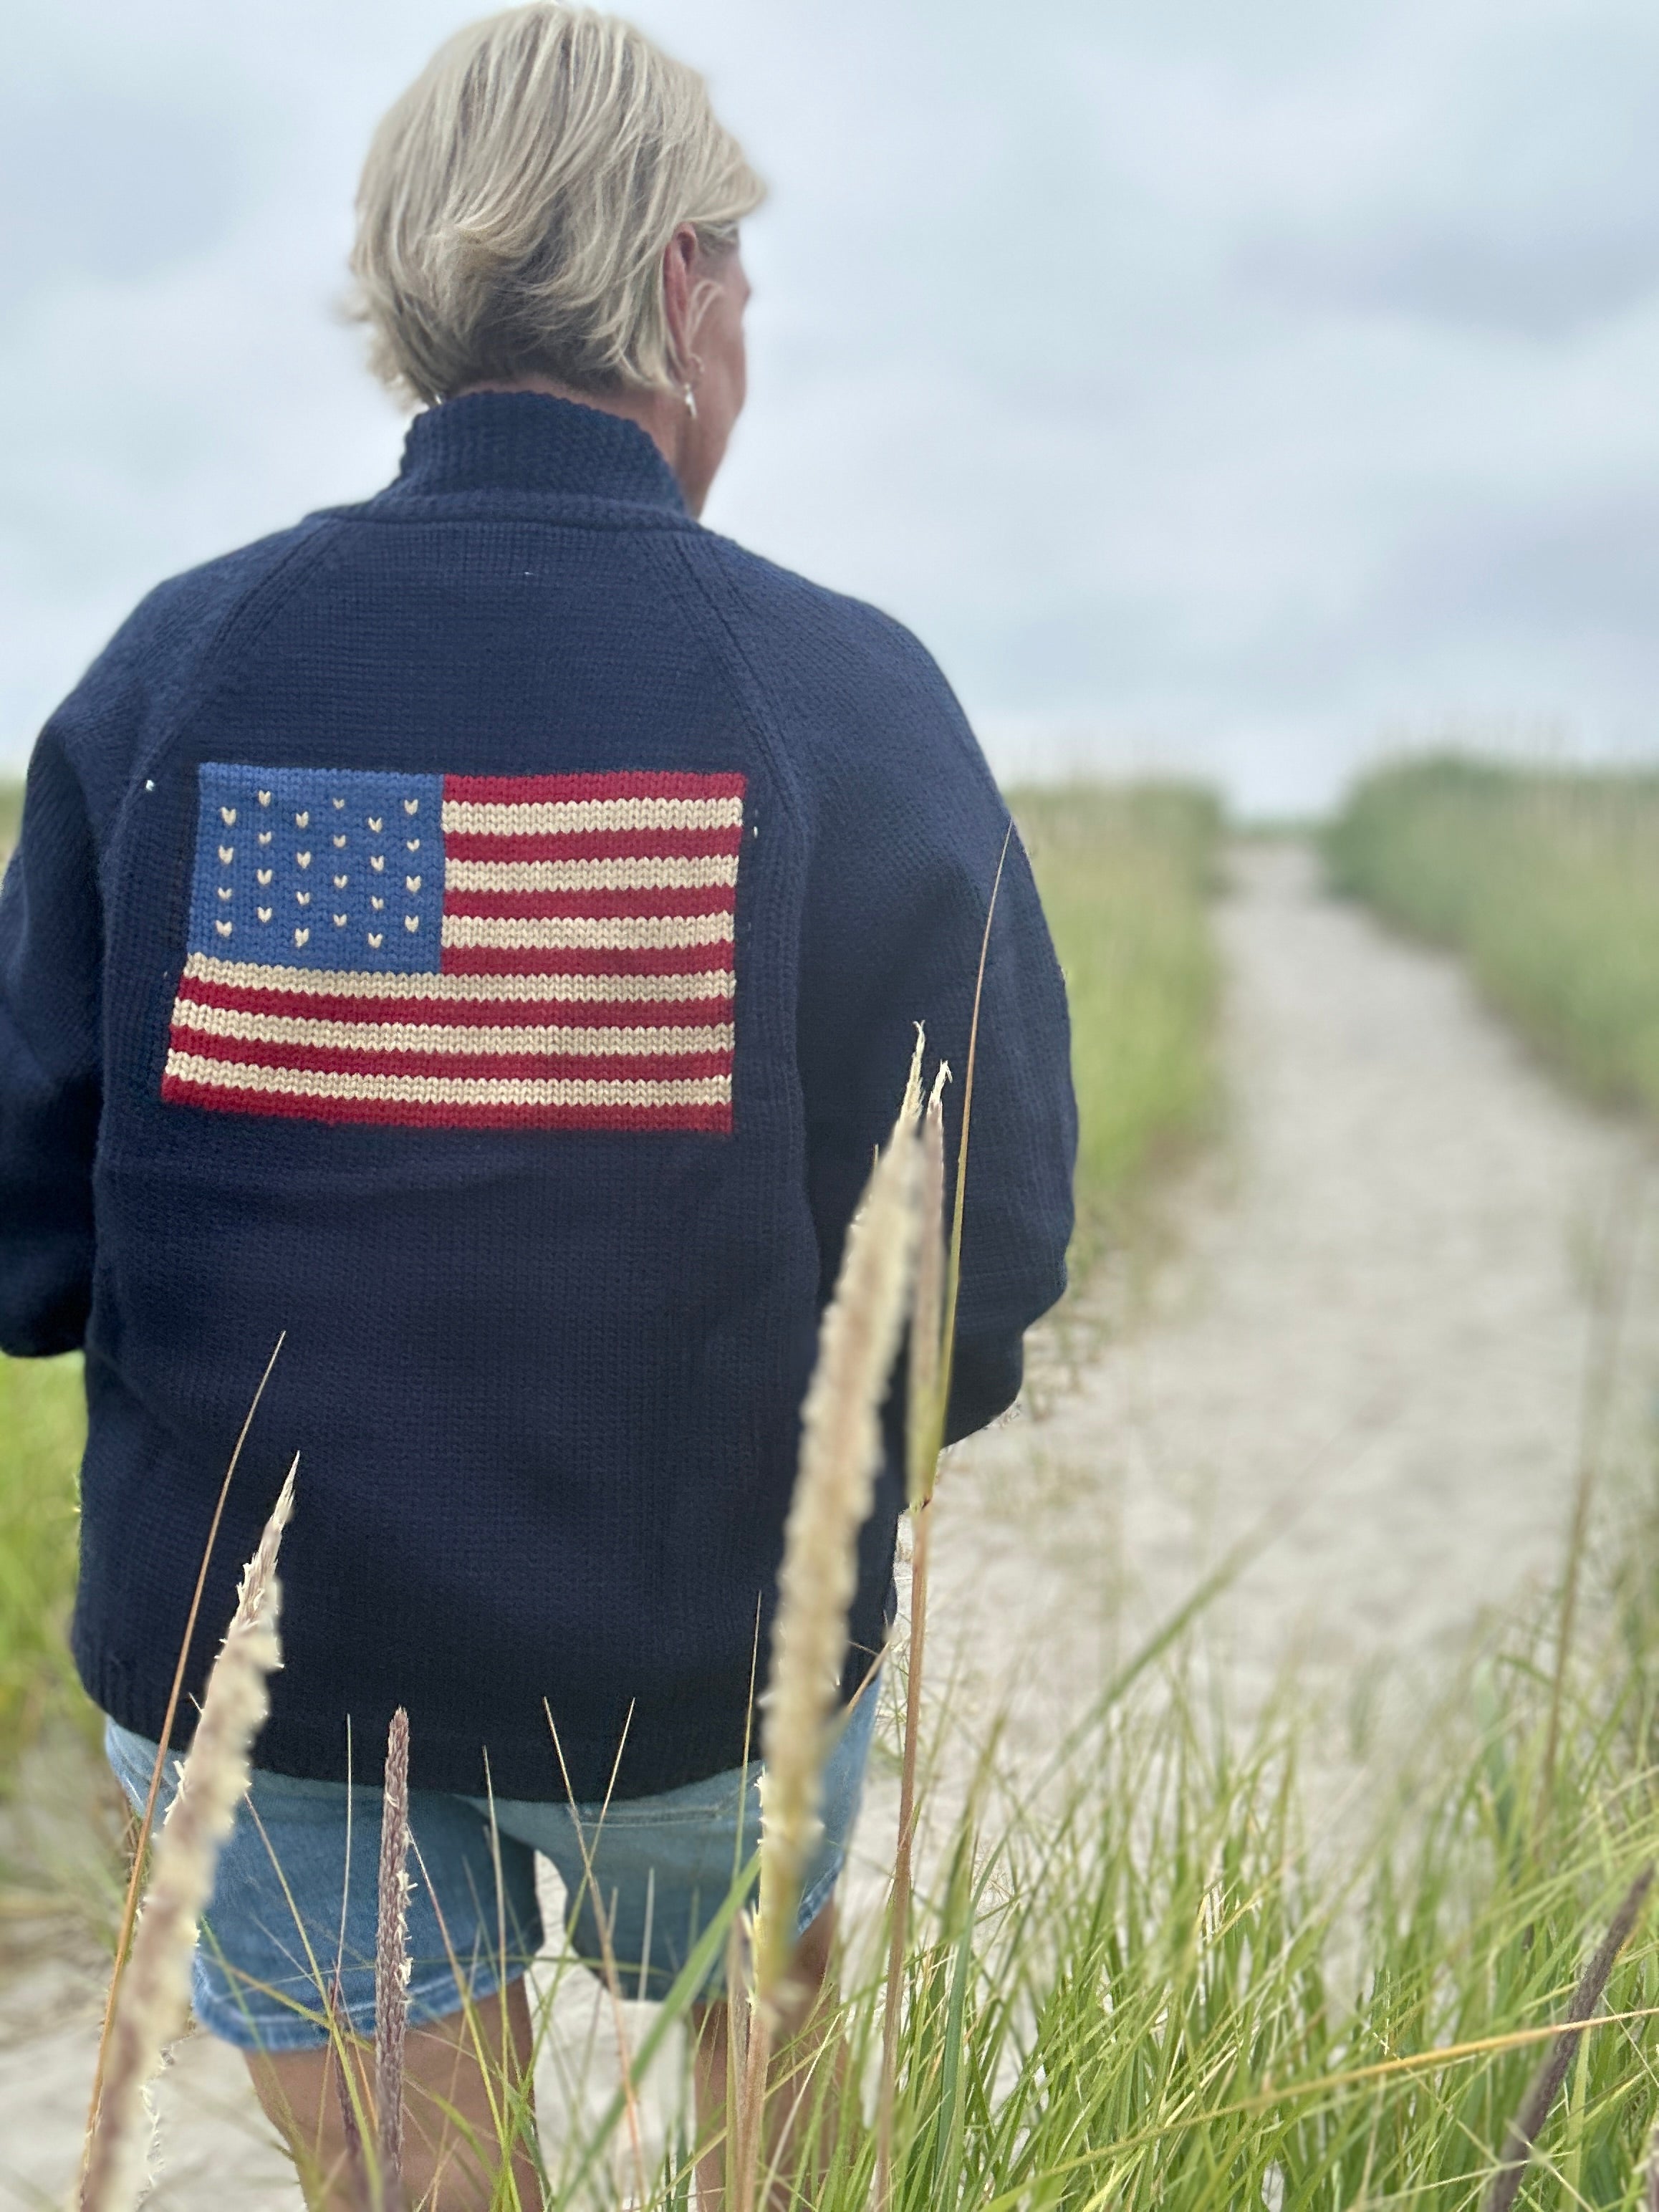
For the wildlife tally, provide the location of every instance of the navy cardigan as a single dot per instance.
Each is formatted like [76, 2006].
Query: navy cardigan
[477, 935]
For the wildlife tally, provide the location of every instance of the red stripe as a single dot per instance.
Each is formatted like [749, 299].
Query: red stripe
[540, 960]
[465, 1013]
[543, 790]
[593, 906]
[594, 845]
[709, 1120]
[543, 1066]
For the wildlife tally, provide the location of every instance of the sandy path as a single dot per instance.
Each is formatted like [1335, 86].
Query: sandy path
[1375, 1340]
[1376, 1333]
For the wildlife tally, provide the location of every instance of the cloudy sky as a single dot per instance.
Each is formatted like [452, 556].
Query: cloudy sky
[1228, 388]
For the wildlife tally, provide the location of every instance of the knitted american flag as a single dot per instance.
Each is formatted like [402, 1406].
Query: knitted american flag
[525, 952]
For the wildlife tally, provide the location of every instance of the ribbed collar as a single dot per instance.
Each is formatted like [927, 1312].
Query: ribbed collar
[528, 441]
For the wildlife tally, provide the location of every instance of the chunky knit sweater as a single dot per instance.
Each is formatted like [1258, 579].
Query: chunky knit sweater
[477, 936]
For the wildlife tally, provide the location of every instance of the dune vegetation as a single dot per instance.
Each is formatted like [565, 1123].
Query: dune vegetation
[1546, 881]
[1127, 873]
[42, 1426]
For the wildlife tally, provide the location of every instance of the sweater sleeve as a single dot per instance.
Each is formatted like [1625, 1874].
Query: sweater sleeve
[911, 829]
[50, 1084]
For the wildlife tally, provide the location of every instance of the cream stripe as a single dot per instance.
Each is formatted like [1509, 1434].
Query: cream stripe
[669, 873]
[356, 983]
[448, 1090]
[568, 931]
[551, 818]
[431, 1036]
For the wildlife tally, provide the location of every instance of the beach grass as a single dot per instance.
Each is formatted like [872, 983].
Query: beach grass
[1149, 1983]
[1546, 881]
[42, 1426]
[1127, 873]
[1152, 2000]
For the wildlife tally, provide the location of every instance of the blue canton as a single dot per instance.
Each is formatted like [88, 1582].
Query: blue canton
[319, 868]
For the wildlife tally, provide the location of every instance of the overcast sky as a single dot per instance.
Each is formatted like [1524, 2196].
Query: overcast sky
[1228, 388]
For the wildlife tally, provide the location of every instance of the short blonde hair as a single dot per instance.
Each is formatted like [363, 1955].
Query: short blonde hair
[517, 201]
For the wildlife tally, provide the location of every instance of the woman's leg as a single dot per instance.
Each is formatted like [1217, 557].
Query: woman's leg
[292, 1929]
[464, 2077]
[805, 2089]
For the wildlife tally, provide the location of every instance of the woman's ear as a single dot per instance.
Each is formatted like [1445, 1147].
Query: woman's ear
[678, 288]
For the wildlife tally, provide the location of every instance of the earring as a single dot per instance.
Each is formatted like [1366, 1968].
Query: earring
[690, 398]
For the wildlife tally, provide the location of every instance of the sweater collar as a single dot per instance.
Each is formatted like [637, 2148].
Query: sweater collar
[530, 441]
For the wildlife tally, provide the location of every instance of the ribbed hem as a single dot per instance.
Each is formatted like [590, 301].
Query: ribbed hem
[669, 1744]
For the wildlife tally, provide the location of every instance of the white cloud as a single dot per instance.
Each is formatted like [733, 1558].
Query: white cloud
[1211, 385]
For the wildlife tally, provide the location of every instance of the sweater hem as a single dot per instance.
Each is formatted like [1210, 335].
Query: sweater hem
[666, 1747]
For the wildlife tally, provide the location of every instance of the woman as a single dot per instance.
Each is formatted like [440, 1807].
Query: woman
[478, 933]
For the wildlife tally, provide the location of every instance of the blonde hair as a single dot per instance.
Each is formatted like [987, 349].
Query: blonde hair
[517, 202]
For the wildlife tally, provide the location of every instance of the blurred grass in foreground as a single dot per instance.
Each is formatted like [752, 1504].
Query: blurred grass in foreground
[1152, 1997]
[1126, 874]
[1133, 1984]
[1546, 881]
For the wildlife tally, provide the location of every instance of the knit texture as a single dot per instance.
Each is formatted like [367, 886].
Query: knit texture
[547, 1187]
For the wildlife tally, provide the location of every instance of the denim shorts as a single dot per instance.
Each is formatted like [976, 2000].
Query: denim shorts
[290, 1928]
